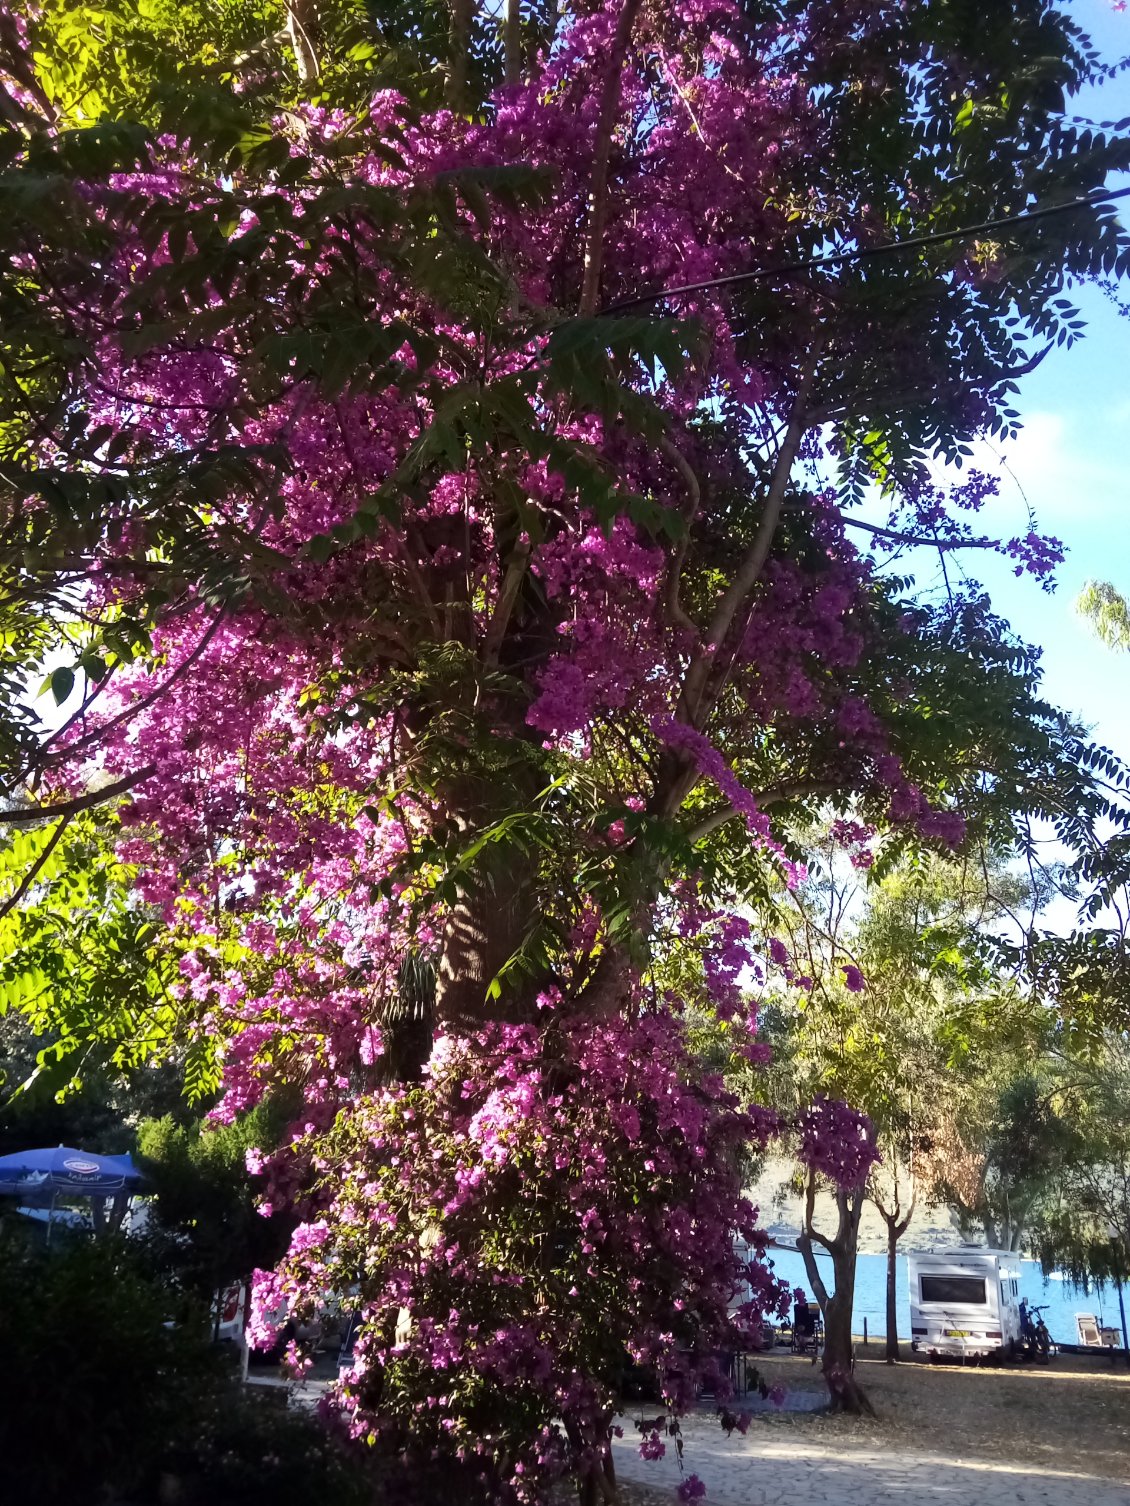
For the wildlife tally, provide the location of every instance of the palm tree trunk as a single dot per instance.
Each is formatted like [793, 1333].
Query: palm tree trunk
[459, 51]
[513, 38]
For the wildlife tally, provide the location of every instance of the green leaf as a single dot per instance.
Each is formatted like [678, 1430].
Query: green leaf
[62, 683]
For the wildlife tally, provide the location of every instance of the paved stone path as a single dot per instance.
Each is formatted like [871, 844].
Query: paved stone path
[760, 1471]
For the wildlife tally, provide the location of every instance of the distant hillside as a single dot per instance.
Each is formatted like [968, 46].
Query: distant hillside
[930, 1229]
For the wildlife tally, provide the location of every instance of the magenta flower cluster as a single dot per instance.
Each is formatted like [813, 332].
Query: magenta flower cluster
[543, 1208]
[559, 1195]
[837, 1141]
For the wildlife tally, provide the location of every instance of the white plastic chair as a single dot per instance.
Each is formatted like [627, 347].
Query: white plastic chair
[1087, 1326]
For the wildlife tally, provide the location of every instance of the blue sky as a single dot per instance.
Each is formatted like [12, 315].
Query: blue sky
[1072, 464]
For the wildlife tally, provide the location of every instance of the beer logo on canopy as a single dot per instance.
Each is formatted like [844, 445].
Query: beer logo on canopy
[80, 1167]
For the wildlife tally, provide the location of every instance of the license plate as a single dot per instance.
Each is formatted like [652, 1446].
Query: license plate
[957, 1333]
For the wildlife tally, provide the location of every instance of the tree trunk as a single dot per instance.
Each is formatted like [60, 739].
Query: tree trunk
[485, 927]
[460, 23]
[838, 1357]
[897, 1224]
[496, 906]
[513, 37]
[836, 1307]
[838, 1362]
[892, 1345]
[596, 1486]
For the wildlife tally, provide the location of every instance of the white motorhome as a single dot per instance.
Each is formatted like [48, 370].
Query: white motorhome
[965, 1302]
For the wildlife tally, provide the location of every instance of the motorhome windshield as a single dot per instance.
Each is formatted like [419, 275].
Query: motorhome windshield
[953, 1289]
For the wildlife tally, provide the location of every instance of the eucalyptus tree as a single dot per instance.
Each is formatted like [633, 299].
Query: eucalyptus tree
[895, 1005]
[1082, 1227]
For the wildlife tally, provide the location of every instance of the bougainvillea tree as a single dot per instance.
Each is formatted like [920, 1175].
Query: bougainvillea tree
[468, 601]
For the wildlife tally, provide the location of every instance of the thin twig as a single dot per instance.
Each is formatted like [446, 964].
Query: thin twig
[129, 712]
[672, 606]
[30, 876]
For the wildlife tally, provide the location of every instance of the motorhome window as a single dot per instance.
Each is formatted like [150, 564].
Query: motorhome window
[953, 1289]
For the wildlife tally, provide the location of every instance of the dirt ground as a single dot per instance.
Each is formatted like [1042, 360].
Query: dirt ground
[632, 1494]
[1071, 1414]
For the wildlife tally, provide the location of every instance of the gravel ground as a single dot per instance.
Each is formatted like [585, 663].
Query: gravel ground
[1058, 1435]
[1072, 1414]
[643, 1495]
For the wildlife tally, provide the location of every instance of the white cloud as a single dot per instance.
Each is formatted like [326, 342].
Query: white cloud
[1067, 474]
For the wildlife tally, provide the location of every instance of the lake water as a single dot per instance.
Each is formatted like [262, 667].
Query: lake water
[1063, 1301]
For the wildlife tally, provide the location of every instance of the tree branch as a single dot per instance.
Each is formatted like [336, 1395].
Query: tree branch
[129, 712]
[17, 61]
[513, 42]
[764, 798]
[867, 253]
[415, 579]
[804, 1244]
[810, 1229]
[260, 50]
[916, 540]
[14, 113]
[754, 562]
[598, 191]
[299, 23]
[458, 51]
[842, 1218]
[904, 1224]
[26, 815]
[504, 606]
[672, 607]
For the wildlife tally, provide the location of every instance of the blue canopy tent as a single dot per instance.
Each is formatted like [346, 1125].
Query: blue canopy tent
[38, 1178]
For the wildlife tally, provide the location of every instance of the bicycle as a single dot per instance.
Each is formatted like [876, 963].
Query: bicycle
[1034, 1332]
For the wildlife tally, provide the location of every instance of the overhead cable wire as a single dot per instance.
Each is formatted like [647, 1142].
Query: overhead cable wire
[865, 253]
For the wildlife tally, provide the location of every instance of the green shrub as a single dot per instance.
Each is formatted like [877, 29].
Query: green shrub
[204, 1227]
[100, 1395]
[93, 1385]
[250, 1452]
